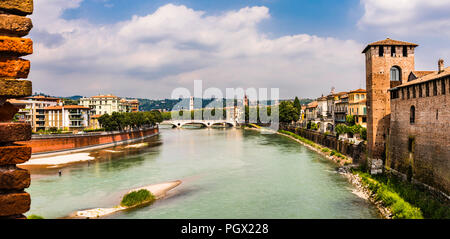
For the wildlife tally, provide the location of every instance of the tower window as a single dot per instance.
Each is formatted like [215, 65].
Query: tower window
[414, 91]
[412, 115]
[434, 88]
[392, 51]
[405, 51]
[420, 90]
[381, 51]
[395, 73]
[407, 93]
[443, 86]
[427, 89]
[437, 114]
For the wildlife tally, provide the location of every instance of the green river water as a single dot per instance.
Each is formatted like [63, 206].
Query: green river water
[226, 173]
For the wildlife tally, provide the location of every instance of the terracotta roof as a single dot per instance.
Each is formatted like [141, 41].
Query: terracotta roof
[95, 116]
[58, 107]
[104, 96]
[322, 98]
[419, 74]
[312, 105]
[428, 77]
[389, 42]
[358, 91]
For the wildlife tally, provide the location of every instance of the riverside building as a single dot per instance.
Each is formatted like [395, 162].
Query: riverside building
[107, 104]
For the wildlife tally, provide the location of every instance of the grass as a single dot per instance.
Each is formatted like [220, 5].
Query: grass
[306, 141]
[137, 197]
[405, 200]
[33, 216]
[430, 207]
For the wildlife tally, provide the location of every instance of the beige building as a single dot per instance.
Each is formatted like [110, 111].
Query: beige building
[69, 117]
[31, 110]
[107, 104]
[357, 106]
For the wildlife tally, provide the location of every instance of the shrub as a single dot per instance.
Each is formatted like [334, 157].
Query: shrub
[136, 198]
[33, 216]
[325, 150]
[389, 198]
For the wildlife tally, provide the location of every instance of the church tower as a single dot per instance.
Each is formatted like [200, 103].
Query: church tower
[388, 64]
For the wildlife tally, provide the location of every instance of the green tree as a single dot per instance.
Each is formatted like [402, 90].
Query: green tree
[350, 120]
[297, 105]
[287, 112]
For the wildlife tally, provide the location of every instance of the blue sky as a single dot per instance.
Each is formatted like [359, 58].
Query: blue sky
[148, 48]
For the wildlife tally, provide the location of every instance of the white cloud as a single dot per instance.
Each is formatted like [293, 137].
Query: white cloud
[407, 17]
[149, 56]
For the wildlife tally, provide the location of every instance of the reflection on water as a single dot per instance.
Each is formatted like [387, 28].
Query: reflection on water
[226, 173]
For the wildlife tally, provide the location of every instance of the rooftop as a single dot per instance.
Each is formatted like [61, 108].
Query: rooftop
[58, 107]
[389, 42]
[426, 78]
[358, 91]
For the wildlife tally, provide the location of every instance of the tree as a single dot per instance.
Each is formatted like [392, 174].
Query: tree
[297, 105]
[288, 113]
[350, 120]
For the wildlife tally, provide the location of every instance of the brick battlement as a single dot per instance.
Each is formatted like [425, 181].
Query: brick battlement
[14, 24]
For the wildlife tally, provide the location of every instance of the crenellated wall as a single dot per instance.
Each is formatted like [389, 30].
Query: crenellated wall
[14, 24]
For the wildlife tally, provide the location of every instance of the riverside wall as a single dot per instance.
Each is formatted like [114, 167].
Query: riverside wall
[356, 151]
[53, 143]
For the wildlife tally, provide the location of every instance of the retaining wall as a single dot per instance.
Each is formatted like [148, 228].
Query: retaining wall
[52, 143]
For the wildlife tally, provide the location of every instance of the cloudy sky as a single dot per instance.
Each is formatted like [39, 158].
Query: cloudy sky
[146, 49]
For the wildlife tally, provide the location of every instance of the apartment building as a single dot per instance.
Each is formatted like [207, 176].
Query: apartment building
[357, 106]
[107, 104]
[67, 117]
[32, 110]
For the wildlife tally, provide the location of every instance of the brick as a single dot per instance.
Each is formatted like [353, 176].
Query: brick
[12, 177]
[12, 88]
[12, 132]
[15, 46]
[14, 203]
[13, 25]
[7, 112]
[19, 7]
[14, 154]
[14, 67]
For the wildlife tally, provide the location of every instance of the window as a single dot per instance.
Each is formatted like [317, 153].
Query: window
[411, 144]
[437, 114]
[434, 88]
[395, 73]
[407, 92]
[412, 115]
[381, 51]
[357, 97]
[392, 51]
[420, 90]
[405, 51]
[414, 91]
[443, 86]
[427, 89]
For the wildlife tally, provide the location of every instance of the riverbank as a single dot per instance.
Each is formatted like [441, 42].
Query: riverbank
[344, 164]
[393, 198]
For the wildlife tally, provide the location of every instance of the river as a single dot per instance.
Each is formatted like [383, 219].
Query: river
[226, 173]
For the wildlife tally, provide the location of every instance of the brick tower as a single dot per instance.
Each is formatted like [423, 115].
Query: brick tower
[388, 64]
[14, 201]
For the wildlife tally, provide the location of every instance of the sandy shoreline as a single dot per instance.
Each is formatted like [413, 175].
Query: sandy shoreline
[158, 190]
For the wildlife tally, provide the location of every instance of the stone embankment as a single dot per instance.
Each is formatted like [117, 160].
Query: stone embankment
[14, 24]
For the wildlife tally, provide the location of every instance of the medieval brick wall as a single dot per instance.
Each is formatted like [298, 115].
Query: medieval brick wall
[421, 149]
[14, 24]
[356, 152]
[378, 101]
